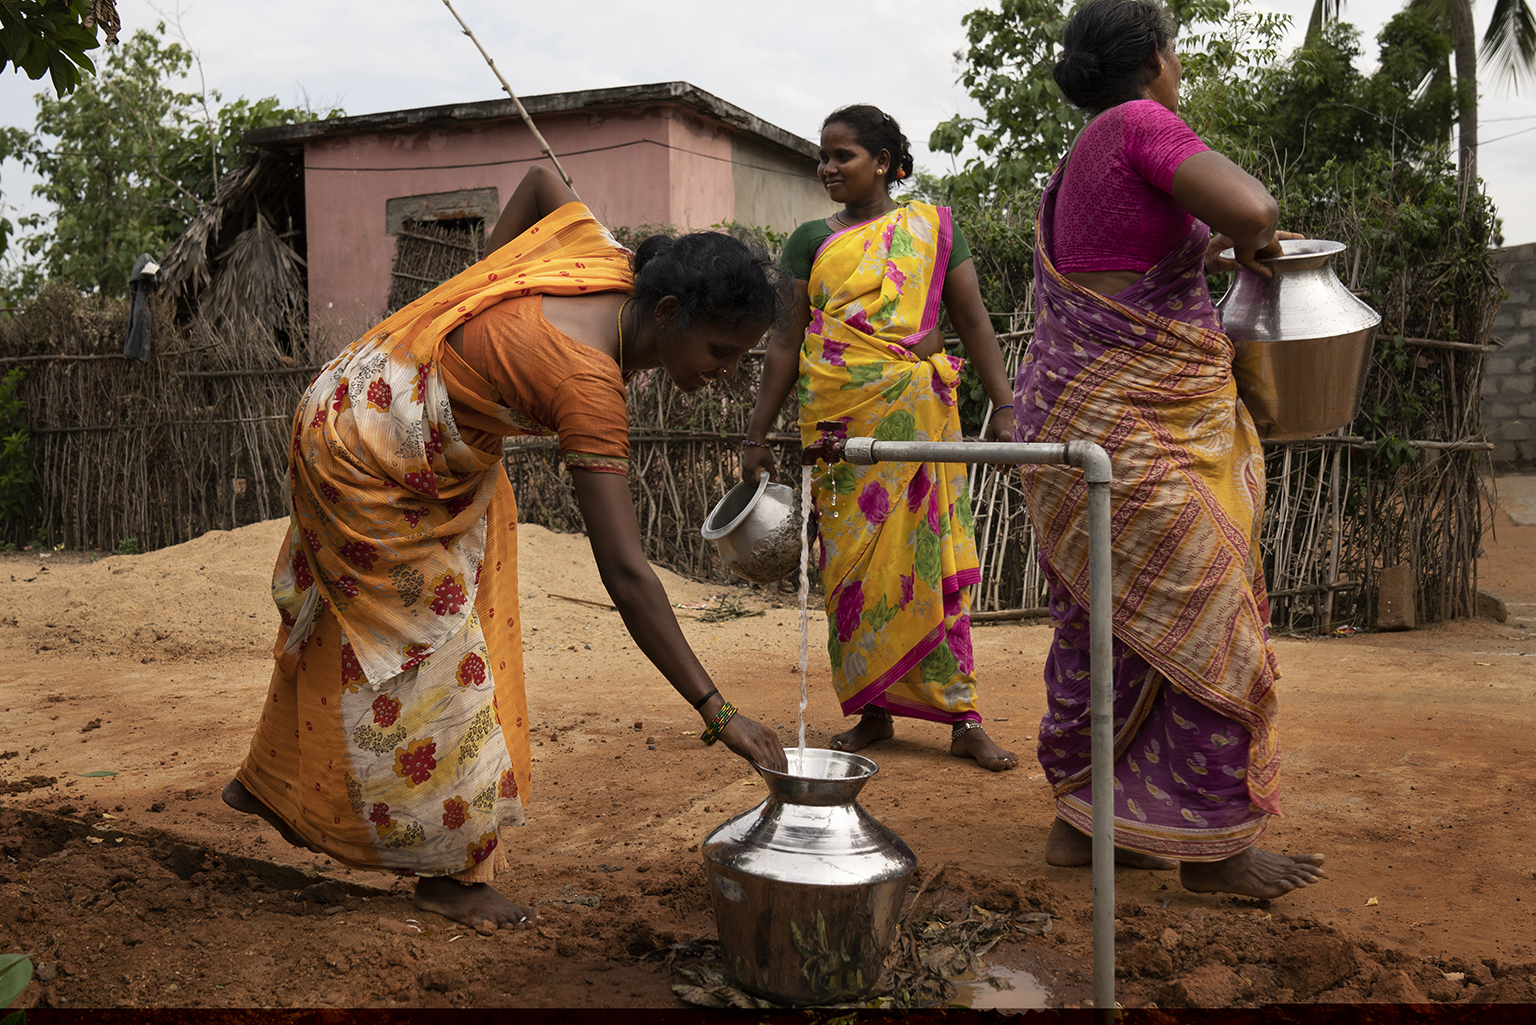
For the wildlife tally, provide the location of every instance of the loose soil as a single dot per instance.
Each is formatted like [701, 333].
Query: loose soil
[1408, 758]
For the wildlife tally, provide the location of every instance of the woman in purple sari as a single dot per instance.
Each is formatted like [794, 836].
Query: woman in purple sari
[1129, 352]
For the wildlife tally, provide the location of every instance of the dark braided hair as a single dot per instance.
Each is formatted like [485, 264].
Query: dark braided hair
[876, 130]
[1106, 49]
[716, 279]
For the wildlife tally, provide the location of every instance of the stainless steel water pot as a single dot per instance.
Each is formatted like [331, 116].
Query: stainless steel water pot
[756, 528]
[1303, 342]
[807, 886]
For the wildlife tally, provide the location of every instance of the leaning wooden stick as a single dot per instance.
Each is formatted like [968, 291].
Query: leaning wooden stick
[521, 110]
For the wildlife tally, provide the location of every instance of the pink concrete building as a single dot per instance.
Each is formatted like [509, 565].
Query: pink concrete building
[650, 154]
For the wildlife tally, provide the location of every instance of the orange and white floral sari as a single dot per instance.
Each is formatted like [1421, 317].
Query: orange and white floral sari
[395, 730]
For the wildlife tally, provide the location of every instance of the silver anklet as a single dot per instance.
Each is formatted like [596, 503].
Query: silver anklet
[962, 728]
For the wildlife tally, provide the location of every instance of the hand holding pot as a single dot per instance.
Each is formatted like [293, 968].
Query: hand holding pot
[1215, 264]
[755, 742]
[756, 460]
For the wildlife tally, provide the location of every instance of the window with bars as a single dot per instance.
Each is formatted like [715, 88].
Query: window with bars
[427, 253]
[437, 235]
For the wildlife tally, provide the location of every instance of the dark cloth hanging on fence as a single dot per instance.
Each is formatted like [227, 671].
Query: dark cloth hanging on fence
[136, 345]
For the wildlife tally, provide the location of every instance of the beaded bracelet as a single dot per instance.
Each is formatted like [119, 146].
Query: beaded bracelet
[702, 701]
[748, 443]
[712, 731]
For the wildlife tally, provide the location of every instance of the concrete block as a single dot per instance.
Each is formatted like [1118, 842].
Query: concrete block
[1517, 384]
[1528, 318]
[1517, 430]
[1491, 606]
[1394, 604]
[1527, 409]
[1498, 366]
[1506, 318]
[1493, 409]
[1526, 365]
[1505, 453]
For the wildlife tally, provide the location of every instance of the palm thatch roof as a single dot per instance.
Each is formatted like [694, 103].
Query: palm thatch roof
[240, 262]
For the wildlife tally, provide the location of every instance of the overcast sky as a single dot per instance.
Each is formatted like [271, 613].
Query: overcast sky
[785, 61]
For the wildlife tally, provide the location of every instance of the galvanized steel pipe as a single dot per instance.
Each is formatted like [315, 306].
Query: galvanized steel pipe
[1097, 471]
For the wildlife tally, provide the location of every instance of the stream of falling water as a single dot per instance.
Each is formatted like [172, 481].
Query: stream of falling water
[805, 592]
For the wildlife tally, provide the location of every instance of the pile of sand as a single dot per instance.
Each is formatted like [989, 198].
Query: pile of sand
[210, 598]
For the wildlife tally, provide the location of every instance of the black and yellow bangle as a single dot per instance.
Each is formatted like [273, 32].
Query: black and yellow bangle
[712, 731]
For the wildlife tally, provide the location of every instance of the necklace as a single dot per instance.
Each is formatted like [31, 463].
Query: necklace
[620, 320]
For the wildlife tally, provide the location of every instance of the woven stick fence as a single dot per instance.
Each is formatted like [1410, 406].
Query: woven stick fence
[142, 455]
[1398, 486]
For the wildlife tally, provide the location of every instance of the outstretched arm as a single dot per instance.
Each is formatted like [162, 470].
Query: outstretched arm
[609, 513]
[539, 194]
[968, 315]
[781, 369]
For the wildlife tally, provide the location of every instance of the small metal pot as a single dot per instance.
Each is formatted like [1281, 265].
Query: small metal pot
[756, 528]
[807, 886]
[1303, 342]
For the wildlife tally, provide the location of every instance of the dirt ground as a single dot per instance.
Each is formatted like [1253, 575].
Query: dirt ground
[1408, 761]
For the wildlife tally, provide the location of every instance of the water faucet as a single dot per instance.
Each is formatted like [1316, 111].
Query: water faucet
[834, 434]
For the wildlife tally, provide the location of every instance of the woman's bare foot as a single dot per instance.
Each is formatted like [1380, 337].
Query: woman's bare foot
[1069, 847]
[872, 728]
[239, 798]
[471, 904]
[974, 743]
[1253, 873]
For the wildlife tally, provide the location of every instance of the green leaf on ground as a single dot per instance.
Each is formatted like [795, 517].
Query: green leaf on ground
[97, 773]
[15, 973]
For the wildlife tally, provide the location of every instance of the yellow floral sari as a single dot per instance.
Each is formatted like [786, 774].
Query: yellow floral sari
[897, 551]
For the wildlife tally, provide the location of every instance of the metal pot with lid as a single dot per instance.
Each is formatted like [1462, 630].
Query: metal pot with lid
[1302, 340]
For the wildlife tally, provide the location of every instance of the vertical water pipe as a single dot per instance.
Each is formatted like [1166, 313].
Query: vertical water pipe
[1098, 473]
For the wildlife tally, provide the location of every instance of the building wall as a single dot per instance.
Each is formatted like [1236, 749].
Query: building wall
[773, 188]
[1509, 375]
[657, 165]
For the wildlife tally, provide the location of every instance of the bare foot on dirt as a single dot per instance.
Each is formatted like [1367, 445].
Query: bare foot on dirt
[975, 743]
[1253, 873]
[470, 904]
[1069, 847]
[871, 729]
[239, 798]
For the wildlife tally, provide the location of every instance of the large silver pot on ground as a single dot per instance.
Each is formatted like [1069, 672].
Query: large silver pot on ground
[756, 528]
[1303, 342]
[807, 886]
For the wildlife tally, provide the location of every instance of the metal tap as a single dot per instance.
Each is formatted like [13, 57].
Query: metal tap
[834, 435]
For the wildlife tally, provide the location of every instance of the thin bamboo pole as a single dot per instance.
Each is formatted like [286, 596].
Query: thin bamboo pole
[521, 110]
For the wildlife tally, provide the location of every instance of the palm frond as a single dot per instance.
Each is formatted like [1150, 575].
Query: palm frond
[1324, 13]
[1509, 45]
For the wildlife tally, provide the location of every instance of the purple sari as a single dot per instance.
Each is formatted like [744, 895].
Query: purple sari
[1147, 374]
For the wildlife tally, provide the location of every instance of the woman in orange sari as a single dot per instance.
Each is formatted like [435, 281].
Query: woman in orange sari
[394, 735]
[897, 550]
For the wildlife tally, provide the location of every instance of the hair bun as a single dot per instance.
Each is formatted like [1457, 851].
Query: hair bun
[650, 248]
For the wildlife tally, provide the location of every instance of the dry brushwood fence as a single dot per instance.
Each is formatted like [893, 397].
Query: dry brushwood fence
[1398, 486]
[144, 455]
[132, 456]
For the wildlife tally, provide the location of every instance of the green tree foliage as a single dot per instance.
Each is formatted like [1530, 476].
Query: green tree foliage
[50, 37]
[126, 162]
[15, 458]
[1320, 108]
[1025, 125]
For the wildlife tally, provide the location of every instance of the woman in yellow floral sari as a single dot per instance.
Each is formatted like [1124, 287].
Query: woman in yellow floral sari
[394, 734]
[897, 553]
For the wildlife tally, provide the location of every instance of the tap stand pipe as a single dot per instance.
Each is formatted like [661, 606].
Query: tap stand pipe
[1094, 462]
